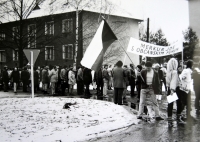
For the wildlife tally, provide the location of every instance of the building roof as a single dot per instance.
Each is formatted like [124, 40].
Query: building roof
[51, 7]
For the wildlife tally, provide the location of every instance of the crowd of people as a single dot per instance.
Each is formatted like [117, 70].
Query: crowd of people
[145, 82]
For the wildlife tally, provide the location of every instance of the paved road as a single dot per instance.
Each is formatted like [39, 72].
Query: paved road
[158, 131]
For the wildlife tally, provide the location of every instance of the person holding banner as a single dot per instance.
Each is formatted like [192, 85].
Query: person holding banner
[150, 85]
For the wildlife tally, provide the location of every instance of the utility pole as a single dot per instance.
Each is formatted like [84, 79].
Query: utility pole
[147, 35]
[147, 29]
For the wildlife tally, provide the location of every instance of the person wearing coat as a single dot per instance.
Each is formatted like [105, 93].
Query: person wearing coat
[25, 79]
[185, 88]
[53, 76]
[119, 83]
[36, 79]
[15, 77]
[150, 85]
[99, 81]
[80, 85]
[71, 80]
[132, 79]
[45, 79]
[172, 81]
[5, 78]
[105, 77]
[87, 79]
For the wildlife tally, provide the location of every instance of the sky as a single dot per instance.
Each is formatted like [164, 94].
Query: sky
[172, 16]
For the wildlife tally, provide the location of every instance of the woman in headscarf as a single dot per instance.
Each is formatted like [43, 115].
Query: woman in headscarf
[172, 81]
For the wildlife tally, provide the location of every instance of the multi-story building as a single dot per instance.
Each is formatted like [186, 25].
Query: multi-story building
[55, 36]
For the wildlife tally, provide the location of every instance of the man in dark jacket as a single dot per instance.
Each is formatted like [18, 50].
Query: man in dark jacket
[87, 79]
[80, 85]
[119, 82]
[5, 78]
[25, 78]
[99, 81]
[150, 85]
[15, 77]
[36, 79]
[132, 79]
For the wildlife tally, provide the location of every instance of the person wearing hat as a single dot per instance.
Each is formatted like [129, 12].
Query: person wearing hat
[5, 78]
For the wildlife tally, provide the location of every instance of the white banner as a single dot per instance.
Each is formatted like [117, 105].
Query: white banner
[150, 50]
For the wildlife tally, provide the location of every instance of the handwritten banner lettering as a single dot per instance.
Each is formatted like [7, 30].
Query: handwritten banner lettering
[150, 50]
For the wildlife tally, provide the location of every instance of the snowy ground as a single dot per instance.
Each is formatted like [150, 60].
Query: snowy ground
[45, 120]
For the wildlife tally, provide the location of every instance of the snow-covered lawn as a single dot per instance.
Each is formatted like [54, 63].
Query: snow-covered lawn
[45, 120]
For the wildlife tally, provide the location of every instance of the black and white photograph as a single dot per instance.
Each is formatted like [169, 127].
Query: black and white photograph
[99, 71]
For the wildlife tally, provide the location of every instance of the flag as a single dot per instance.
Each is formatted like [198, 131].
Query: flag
[103, 38]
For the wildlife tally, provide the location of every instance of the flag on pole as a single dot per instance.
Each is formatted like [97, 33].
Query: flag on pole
[103, 38]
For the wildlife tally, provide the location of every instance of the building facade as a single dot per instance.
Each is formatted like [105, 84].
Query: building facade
[55, 37]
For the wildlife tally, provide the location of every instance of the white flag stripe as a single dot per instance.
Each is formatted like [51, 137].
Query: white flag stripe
[94, 49]
[150, 50]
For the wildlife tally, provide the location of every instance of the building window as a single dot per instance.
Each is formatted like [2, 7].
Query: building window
[15, 33]
[67, 25]
[67, 51]
[49, 28]
[49, 53]
[32, 36]
[2, 56]
[15, 55]
[2, 36]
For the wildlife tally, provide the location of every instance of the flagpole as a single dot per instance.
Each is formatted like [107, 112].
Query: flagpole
[124, 59]
[129, 58]
[125, 51]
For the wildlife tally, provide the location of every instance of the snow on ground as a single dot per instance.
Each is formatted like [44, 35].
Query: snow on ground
[45, 120]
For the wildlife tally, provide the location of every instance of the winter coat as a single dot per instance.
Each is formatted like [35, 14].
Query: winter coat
[119, 78]
[132, 76]
[45, 78]
[71, 78]
[98, 77]
[15, 76]
[172, 79]
[87, 76]
[185, 80]
[36, 78]
[53, 75]
[80, 74]
[5, 76]
[105, 75]
[25, 75]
